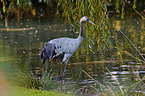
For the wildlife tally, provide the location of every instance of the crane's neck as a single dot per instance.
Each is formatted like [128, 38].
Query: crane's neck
[80, 38]
[81, 30]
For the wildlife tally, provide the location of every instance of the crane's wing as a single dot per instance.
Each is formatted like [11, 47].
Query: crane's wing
[65, 45]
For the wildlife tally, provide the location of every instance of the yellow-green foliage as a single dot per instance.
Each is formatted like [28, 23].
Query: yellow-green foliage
[21, 91]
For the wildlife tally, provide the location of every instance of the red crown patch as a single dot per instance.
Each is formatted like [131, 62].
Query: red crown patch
[87, 17]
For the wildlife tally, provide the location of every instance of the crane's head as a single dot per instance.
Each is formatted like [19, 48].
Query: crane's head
[86, 19]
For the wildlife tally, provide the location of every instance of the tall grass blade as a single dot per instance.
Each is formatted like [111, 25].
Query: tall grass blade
[138, 13]
[126, 52]
[132, 44]
[90, 76]
[116, 82]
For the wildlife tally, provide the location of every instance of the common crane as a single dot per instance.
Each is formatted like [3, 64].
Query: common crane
[63, 48]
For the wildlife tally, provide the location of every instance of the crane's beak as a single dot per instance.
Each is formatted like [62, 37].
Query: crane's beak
[91, 22]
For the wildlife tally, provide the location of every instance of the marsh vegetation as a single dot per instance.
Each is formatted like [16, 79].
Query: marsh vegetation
[109, 62]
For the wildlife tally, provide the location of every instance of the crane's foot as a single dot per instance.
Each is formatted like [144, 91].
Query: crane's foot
[63, 75]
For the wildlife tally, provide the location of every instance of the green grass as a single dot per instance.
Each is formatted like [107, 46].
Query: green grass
[21, 91]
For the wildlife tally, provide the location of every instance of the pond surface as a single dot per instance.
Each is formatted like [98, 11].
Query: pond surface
[20, 49]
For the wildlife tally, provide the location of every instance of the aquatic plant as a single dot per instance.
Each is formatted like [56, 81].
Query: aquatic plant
[26, 78]
[110, 90]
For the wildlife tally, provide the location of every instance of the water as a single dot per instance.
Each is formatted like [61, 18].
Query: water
[20, 49]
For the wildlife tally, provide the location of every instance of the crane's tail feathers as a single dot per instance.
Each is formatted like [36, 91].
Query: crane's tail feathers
[43, 55]
[47, 52]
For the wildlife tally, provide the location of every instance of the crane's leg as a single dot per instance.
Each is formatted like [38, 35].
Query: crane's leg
[65, 60]
[61, 70]
[64, 69]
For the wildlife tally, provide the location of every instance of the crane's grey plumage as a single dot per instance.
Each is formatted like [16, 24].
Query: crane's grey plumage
[63, 48]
